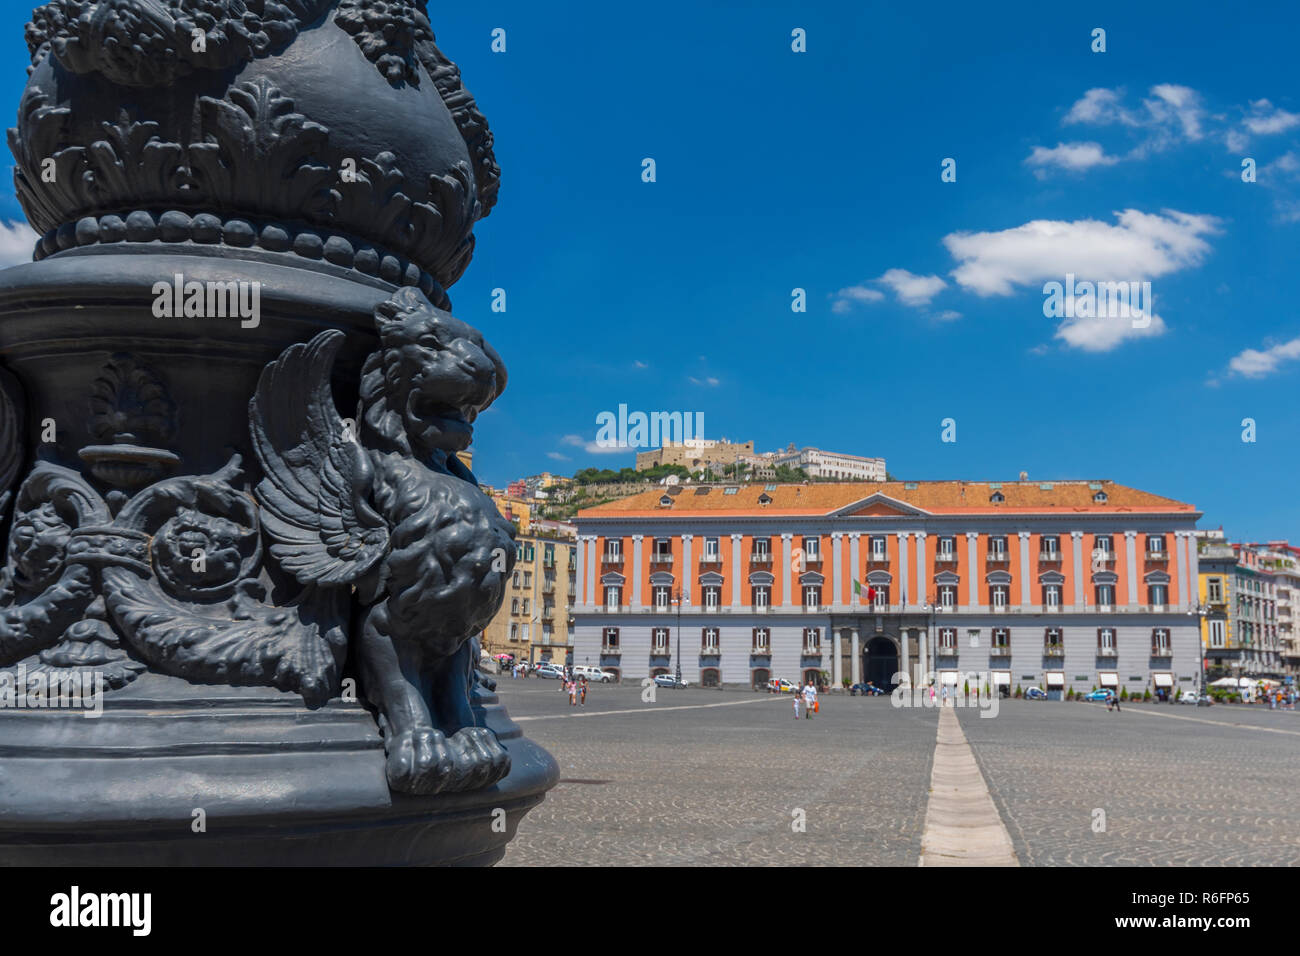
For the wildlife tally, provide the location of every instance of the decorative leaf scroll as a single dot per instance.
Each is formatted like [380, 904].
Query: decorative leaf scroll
[258, 153]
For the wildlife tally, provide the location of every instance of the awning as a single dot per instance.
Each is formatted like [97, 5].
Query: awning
[949, 677]
[1163, 679]
[1002, 677]
[1056, 678]
[1108, 678]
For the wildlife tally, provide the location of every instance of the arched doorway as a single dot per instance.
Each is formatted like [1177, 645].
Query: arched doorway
[880, 662]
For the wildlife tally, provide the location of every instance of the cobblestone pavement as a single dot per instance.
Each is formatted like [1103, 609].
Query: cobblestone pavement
[718, 785]
[1179, 785]
[707, 777]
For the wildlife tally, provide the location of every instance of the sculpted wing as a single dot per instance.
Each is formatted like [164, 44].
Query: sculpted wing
[315, 492]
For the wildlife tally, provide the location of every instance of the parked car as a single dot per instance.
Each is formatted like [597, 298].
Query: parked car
[549, 670]
[1188, 697]
[1101, 693]
[592, 673]
[779, 685]
[866, 689]
[1035, 693]
[668, 680]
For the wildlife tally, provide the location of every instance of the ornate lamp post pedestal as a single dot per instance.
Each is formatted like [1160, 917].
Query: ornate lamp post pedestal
[245, 569]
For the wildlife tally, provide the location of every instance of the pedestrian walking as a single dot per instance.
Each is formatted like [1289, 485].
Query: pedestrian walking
[945, 695]
[583, 690]
[797, 697]
[810, 700]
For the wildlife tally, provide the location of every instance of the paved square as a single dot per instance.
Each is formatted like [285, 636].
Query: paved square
[708, 777]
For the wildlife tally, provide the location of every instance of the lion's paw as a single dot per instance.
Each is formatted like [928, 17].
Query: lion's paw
[480, 759]
[420, 761]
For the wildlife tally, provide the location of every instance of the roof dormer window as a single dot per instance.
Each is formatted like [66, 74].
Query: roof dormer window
[997, 498]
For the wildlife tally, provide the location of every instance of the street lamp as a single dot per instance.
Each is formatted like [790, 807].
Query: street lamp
[1201, 611]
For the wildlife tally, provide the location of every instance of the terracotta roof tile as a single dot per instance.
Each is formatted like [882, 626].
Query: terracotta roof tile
[935, 497]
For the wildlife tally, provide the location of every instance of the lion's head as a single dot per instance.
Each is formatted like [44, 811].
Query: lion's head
[430, 378]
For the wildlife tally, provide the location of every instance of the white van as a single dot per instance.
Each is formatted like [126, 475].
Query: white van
[592, 673]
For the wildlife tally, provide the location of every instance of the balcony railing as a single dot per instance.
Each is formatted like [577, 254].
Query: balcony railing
[661, 558]
[1107, 652]
[714, 558]
[946, 557]
[812, 650]
[710, 650]
[1158, 555]
[1053, 650]
[878, 558]
[1052, 556]
[761, 649]
[812, 558]
[997, 557]
[1158, 651]
[946, 650]
[608, 558]
[610, 649]
[757, 558]
[997, 651]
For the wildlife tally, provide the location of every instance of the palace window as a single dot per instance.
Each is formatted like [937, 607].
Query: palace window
[1050, 547]
[1214, 590]
[611, 638]
[613, 596]
[812, 595]
[1052, 595]
[663, 549]
[659, 640]
[762, 642]
[878, 548]
[762, 548]
[948, 638]
[1106, 640]
[1158, 594]
[662, 596]
[948, 595]
[709, 640]
[1156, 545]
[947, 548]
[1105, 596]
[997, 547]
[762, 595]
[1160, 644]
[1001, 594]
[1001, 637]
[1218, 631]
[1103, 543]
[1052, 637]
[613, 549]
[880, 597]
[811, 639]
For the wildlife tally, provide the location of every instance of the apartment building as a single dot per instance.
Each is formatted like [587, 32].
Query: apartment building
[1061, 584]
[1241, 630]
[534, 622]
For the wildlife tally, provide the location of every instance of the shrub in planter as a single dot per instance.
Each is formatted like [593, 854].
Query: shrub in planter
[1017, 690]
[1146, 694]
[1123, 693]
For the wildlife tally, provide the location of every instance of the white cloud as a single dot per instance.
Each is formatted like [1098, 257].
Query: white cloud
[1266, 119]
[1100, 107]
[948, 315]
[1139, 246]
[639, 364]
[1074, 157]
[577, 441]
[1103, 333]
[17, 240]
[912, 289]
[1170, 103]
[557, 456]
[1254, 363]
[709, 381]
[846, 297]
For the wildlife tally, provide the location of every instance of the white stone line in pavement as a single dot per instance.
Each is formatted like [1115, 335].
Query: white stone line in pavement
[645, 710]
[1215, 723]
[962, 825]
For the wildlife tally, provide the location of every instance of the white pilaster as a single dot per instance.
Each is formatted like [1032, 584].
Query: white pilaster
[636, 570]
[1024, 569]
[688, 570]
[837, 572]
[1080, 583]
[855, 660]
[973, 571]
[786, 553]
[905, 664]
[837, 650]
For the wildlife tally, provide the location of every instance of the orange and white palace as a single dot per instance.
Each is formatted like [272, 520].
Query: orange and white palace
[1061, 584]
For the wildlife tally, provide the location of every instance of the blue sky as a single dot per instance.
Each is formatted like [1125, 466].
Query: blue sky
[821, 170]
